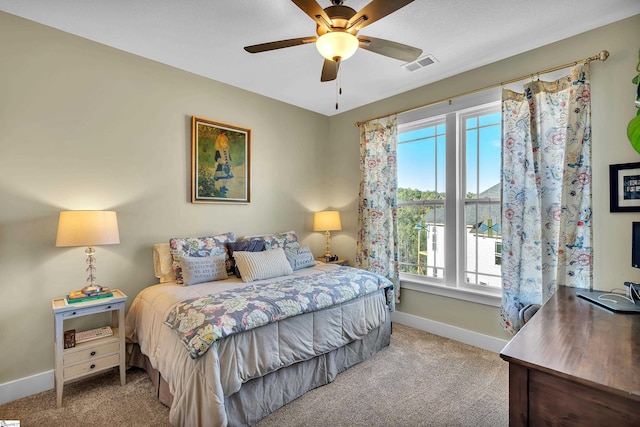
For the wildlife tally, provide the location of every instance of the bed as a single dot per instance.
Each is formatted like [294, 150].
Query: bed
[215, 367]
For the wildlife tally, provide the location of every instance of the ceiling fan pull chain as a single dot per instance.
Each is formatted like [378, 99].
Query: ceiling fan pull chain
[338, 86]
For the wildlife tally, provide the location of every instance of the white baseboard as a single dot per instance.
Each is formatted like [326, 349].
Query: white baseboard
[466, 336]
[26, 386]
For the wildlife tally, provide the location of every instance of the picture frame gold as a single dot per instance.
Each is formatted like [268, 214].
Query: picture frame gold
[220, 162]
[624, 187]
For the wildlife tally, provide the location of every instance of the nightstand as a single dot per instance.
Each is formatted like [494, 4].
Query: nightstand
[89, 357]
[340, 261]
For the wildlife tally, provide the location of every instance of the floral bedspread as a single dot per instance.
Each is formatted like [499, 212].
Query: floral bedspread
[199, 322]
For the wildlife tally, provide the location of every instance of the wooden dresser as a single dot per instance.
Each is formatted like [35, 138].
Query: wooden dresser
[575, 364]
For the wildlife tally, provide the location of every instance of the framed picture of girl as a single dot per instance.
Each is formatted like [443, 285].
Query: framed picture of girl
[220, 162]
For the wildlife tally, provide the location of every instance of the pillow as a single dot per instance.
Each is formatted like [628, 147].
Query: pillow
[163, 263]
[300, 257]
[199, 247]
[245, 246]
[286, 239]
[262, 265]
[203, 268]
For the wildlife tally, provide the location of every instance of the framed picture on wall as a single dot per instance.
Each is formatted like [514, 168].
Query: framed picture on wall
[220, 162]
[624, 187]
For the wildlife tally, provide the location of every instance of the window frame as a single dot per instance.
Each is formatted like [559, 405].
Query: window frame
[453, 285]
[463, 202]
[432, 121]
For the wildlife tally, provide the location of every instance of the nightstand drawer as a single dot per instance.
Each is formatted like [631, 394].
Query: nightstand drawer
[90, 353]
[96, 365]
[86, 311]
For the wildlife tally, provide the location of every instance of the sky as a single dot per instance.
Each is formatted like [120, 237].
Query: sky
[417, 150]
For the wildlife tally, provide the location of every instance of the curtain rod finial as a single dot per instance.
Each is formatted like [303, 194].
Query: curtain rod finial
[603, 55]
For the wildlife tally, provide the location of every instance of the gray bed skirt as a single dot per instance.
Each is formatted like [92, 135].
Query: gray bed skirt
[261, 396]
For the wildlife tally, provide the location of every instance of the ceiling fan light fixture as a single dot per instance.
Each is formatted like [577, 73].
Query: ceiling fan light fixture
[337, 45]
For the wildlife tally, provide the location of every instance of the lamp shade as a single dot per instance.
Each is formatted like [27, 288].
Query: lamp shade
[326, 221]
[337, 44]
[87, 228]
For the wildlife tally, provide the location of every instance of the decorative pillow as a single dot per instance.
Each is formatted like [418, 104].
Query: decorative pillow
[262, 265]
[286, 239]
[203, 268]
[163, 263]
[245, 246]
[300, 257]
[199, 247]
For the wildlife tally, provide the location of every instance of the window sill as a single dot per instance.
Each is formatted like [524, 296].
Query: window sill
[479, 297]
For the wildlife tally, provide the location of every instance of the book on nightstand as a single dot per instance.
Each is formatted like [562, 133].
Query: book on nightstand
[79, 296]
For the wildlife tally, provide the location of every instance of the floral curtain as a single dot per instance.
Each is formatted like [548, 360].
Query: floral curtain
[546, 191]
[377, 249]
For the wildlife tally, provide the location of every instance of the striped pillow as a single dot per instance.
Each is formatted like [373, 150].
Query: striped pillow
[244, 246]
[262, 265]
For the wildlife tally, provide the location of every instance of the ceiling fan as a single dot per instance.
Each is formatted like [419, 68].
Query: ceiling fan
[337, 28]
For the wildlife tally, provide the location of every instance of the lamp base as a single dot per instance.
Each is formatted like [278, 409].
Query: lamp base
[327, 244]
[90, 290]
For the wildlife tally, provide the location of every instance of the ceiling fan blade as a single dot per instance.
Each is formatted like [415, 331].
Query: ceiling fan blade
[391, 49]
[329, 70]
[374, 11]
[315, 12]
[264, 47]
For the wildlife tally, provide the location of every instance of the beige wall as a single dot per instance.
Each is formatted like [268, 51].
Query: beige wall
[84, 126]
[612, 95]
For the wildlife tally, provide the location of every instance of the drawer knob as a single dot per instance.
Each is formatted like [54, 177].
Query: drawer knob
[73, 314]
[93, 353]
[92, 366]
[109, 307]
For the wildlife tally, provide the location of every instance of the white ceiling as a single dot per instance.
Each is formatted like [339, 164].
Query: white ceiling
[206, 37]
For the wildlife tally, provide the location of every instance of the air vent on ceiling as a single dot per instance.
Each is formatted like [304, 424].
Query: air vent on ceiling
[421, 62]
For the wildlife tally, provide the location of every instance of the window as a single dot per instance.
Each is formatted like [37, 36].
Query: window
[449, 162]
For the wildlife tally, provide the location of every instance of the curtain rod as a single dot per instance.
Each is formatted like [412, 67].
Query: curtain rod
[602, 56]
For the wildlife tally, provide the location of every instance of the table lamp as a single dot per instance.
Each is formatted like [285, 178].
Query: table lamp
[327, 221]
[88, 228]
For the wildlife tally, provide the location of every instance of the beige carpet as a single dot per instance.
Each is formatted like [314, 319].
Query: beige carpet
[419, 380]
